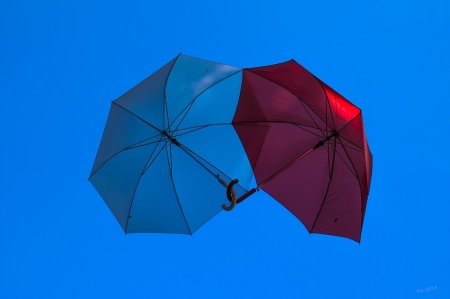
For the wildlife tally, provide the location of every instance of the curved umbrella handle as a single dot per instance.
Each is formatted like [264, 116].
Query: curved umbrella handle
[231, 193]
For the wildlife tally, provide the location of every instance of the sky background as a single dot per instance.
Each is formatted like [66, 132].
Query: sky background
[62, 63]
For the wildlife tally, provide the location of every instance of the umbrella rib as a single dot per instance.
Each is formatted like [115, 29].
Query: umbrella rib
[348, 156]
[348, 146]
[138, 117]
[169, 161]
[357, 147]
[327, 98]
[309, 114]
[184, 109]
[124, 149]
[326, 192]
[137, 184]
[351, 168]
[141, 145]
[147, 165]
[184, 133]
[196, 97]
[301, 127]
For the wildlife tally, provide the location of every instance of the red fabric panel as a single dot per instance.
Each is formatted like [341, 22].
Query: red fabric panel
[353, 139]
[262, 100]
[302, 187]
[252, 136]
[340, 214]
[297, 80]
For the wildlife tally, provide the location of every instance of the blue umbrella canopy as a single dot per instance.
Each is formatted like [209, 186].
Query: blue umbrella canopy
[166, 143]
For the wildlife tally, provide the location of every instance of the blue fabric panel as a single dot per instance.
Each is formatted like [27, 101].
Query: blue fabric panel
[146, 99]
[117, 179]
[200, 194]
[190, 77]
[122, 130]
[207, 130]
[155, 206]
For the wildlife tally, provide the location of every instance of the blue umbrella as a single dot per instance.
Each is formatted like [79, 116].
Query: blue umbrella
[169, 148]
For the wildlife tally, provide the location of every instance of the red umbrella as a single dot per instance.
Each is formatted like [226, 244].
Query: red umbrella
[307, 147]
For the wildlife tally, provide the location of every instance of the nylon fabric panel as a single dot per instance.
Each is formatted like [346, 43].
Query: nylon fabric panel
[296, 79]
[343, 111]
[117, 179]
[146, 99]
[200, 194]
[302, 187]
[207, 130]
[189, 77]
[340, 214]
[155, 206]
[262, 100]
[122, 130]
[217, 105]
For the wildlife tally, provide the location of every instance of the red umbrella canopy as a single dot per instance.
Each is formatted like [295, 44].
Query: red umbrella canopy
[307, 147]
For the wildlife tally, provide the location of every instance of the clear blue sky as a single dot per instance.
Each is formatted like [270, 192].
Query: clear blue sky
[61, 64]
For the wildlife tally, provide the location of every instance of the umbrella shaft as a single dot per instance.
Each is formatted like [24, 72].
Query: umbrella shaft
[286, 167]
[319, 144]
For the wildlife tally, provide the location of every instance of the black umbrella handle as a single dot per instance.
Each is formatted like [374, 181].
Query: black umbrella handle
[230, 190]
[231, 194]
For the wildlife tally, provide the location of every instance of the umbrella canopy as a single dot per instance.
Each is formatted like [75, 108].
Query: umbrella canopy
[166, 142]
[169, 140]
[307, 147]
